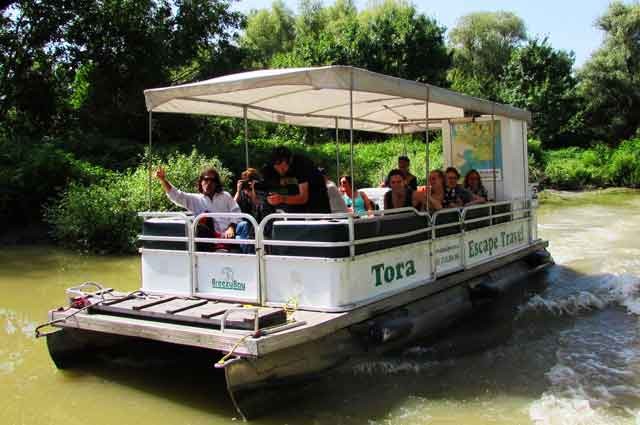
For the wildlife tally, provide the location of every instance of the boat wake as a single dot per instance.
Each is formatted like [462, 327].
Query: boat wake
[552, 410]
[609, 290]
[399, 366]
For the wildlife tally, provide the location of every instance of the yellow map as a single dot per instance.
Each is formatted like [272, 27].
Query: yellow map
[473, 148]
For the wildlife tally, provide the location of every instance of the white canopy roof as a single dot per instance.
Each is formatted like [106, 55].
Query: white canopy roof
[320, 97]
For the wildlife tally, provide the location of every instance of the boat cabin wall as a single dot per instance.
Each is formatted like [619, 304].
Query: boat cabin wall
[467, 144]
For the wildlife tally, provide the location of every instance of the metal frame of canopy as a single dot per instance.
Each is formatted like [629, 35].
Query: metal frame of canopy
[314, 97]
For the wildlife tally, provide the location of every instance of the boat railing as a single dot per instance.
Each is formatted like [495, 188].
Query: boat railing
[221, 273]
[186, 218]
[237, 216]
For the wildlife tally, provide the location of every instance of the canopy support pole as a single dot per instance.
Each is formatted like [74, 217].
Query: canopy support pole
[353, 193]
[337, 152]
[493, 148]
[404, 140]
[150, 158]
[426, 138]
[246, 136]
[525, 168]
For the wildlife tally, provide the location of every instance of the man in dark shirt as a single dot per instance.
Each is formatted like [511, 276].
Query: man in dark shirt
[409, 179]
[309, 192]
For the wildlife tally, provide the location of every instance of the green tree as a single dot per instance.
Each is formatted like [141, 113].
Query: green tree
[94, 58]
[482, 45]
[610, 80]
[540, 79]
[31, 80]
[399, 41]
[267, 33]
[389, 37]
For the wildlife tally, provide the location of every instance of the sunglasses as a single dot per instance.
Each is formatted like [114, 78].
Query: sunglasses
[208, 179]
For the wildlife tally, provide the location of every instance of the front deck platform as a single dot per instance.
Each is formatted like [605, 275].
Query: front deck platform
[197, 322]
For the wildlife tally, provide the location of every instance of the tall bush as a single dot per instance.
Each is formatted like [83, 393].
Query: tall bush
[103, 216]
[624, 165]
[34, 171]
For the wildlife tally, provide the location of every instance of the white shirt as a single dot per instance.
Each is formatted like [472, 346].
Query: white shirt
[198, 203]
[335, 199]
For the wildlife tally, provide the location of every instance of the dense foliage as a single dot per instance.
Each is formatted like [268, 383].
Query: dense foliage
[73, 124]
[483, 43]
[390, 37]
[539, 79]
[597, 166]
[103, 215]
[610, 80]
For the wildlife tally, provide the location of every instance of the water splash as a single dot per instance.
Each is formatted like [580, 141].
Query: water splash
[610, 290]
[553, 410]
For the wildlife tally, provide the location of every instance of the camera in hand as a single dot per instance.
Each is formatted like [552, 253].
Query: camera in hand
[261, 188]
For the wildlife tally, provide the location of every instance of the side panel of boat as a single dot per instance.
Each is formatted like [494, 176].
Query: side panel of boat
[488, 243]
[231, 277]
[334, 284]
[166, 272]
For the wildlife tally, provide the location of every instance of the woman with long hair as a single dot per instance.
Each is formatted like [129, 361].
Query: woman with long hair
[473, 183]
[436, 190]
[361, 205]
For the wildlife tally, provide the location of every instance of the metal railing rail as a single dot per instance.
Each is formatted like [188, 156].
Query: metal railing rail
[187, 231]
[260, 241]
[238, 216]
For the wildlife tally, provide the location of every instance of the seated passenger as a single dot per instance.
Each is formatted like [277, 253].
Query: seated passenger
[473, 183]
[362, 204]
[400, 195]
[454, 195]
[288, 169]
[211, 199]
[436, 190]
[335, 197]
[409, 179]
[249, 203]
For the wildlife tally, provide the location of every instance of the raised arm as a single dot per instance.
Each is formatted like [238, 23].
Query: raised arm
[181, 199]
[162, 176]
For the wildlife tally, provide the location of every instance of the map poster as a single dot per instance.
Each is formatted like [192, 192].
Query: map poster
[472, 148]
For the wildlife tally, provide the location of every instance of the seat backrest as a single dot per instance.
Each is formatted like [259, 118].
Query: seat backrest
[164, 227]
[499, 209]
[338, 231]
[445, 217]
[474, 214]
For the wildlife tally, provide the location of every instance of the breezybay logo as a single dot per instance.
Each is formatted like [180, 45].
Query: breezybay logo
[227, 281]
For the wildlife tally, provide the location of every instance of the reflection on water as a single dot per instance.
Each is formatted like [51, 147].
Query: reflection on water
[568, 355]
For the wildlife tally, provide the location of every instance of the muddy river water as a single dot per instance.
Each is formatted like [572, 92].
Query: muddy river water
[568, 354]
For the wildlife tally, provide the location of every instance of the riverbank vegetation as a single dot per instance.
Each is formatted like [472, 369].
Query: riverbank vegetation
[73, 120]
